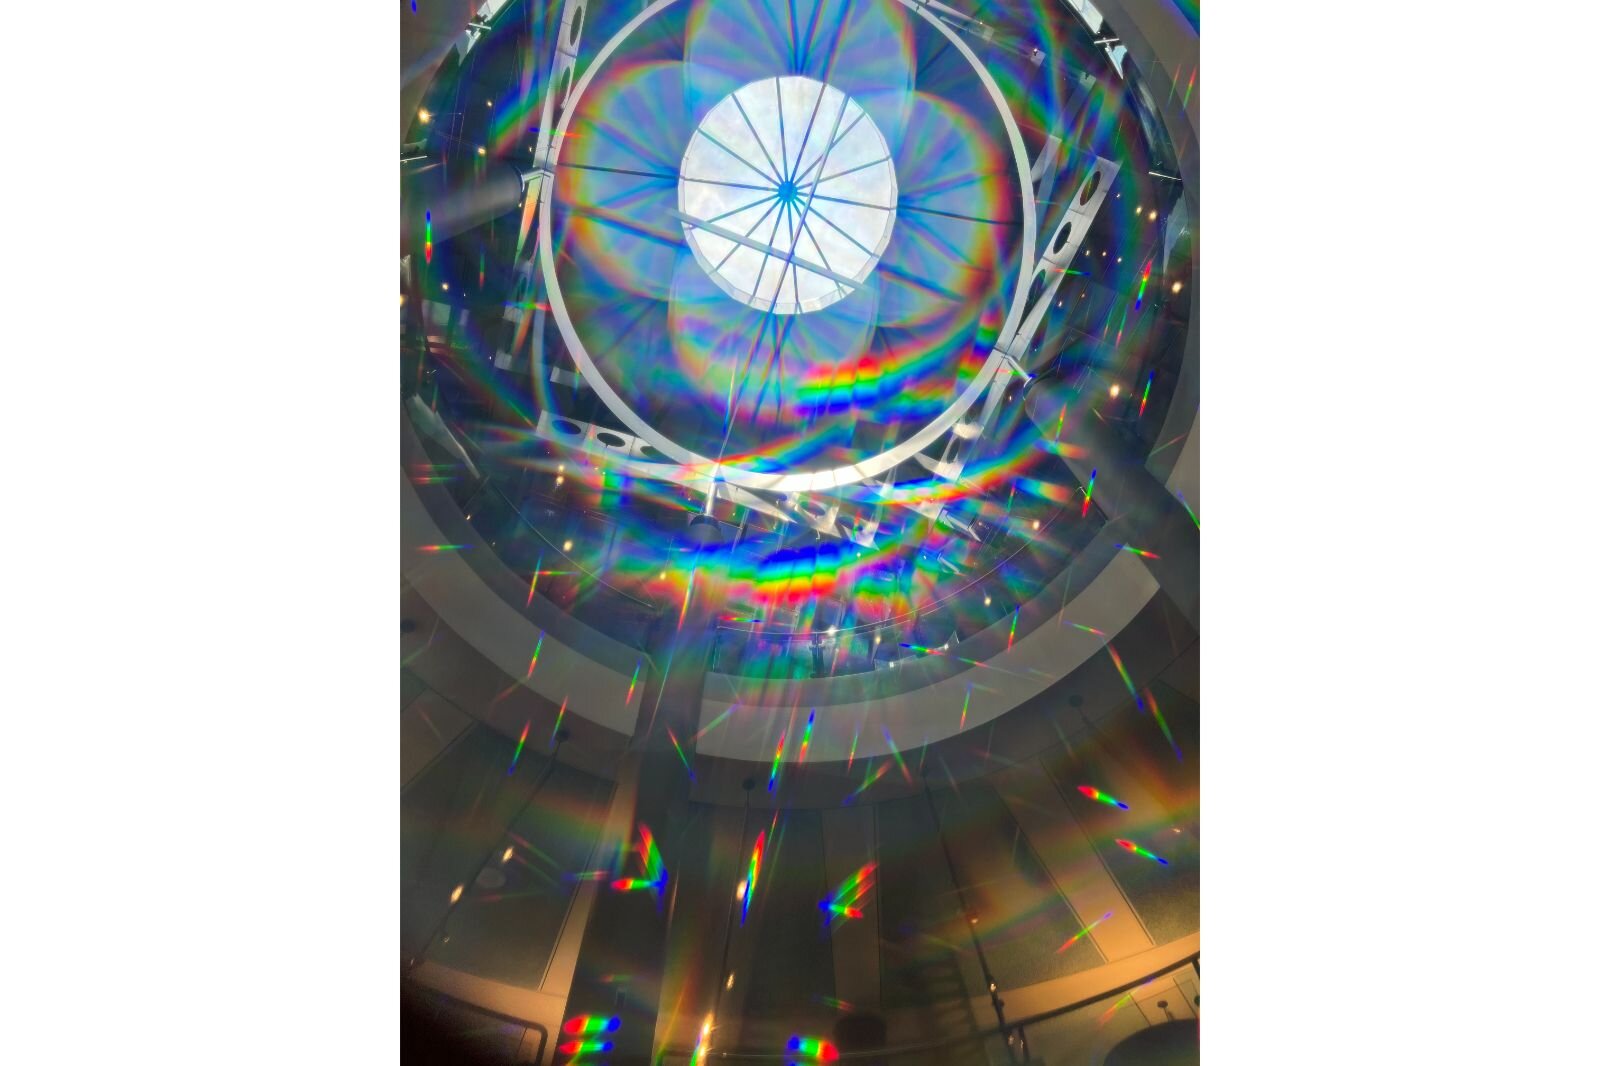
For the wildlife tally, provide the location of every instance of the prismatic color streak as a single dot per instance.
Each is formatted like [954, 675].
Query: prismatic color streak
[813, 1048]
[853, 741]
[1138, 301]
[436, 548]
[574, 1048]
[895, 751]
[1081, 933]
[427, 224]
[1102, 797]
[871, 779]
[588, 1024]
[843, 902]
[688, 587]
[805, 738]
[523, 739]
[964, 705]
[679, 749]
[1146, 397]
[777, 757]
[1188, 509]
[655, 874]
[1088, 493]
[1137, 850]
[634, 681]
[536, 649]
[533, 584]
[1140, 552]
[1155, 712]
[1116, 660]
[1011, 636]
[751, 875]
[562, 713]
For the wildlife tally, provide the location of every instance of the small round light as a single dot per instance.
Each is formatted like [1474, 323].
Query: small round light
[446, 286]
[456, 895]
[507, 856]
[1116, 390]
[1177, 286]
[482, 150]
[986, 601]
[739, 892]
[425, 116]
[566, 546]
[561, 479]
[1151, 216]
[1035, 523]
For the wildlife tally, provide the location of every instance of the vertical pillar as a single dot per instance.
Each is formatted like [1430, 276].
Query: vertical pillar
[622, 961]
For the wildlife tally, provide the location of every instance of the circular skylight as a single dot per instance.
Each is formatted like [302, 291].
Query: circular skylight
[787, 195]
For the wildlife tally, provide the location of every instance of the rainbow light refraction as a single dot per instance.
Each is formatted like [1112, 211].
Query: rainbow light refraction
[523, 739]
[1140, 552]
[679, 749]
[845, 900]
[1081, 933]
[1155, 712]
[1088, 493]
[562, 713]
[586, 1024]
[777, 757]
[1137, 850]
[1146, 397]
[533, 662]
[751, 875]
[633, 681]
[427, 231]
[814, 1048]
[533, 582]
[436, 548]
[805, 738]
[655, 872]
[574, 1048]
[1144, 279]
[895, 751]
[1187, 509]
[1101, 797]
[965, 703]
[871, 779]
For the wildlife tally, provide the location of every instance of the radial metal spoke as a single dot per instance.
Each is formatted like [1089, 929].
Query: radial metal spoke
[783, 141]
[852, 170]
[752, 128]
[729, 184]
[702, 132]
[747, 233]
[842, 134]
[852, 203]
[746, 207]
[842, 233]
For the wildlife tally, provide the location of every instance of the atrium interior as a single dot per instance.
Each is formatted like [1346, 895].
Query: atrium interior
[799, 440]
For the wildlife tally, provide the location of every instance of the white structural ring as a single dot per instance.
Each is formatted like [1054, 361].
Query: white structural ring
[700, 468]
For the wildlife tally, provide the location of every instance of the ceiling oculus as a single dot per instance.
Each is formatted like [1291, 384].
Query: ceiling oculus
[787, 195]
